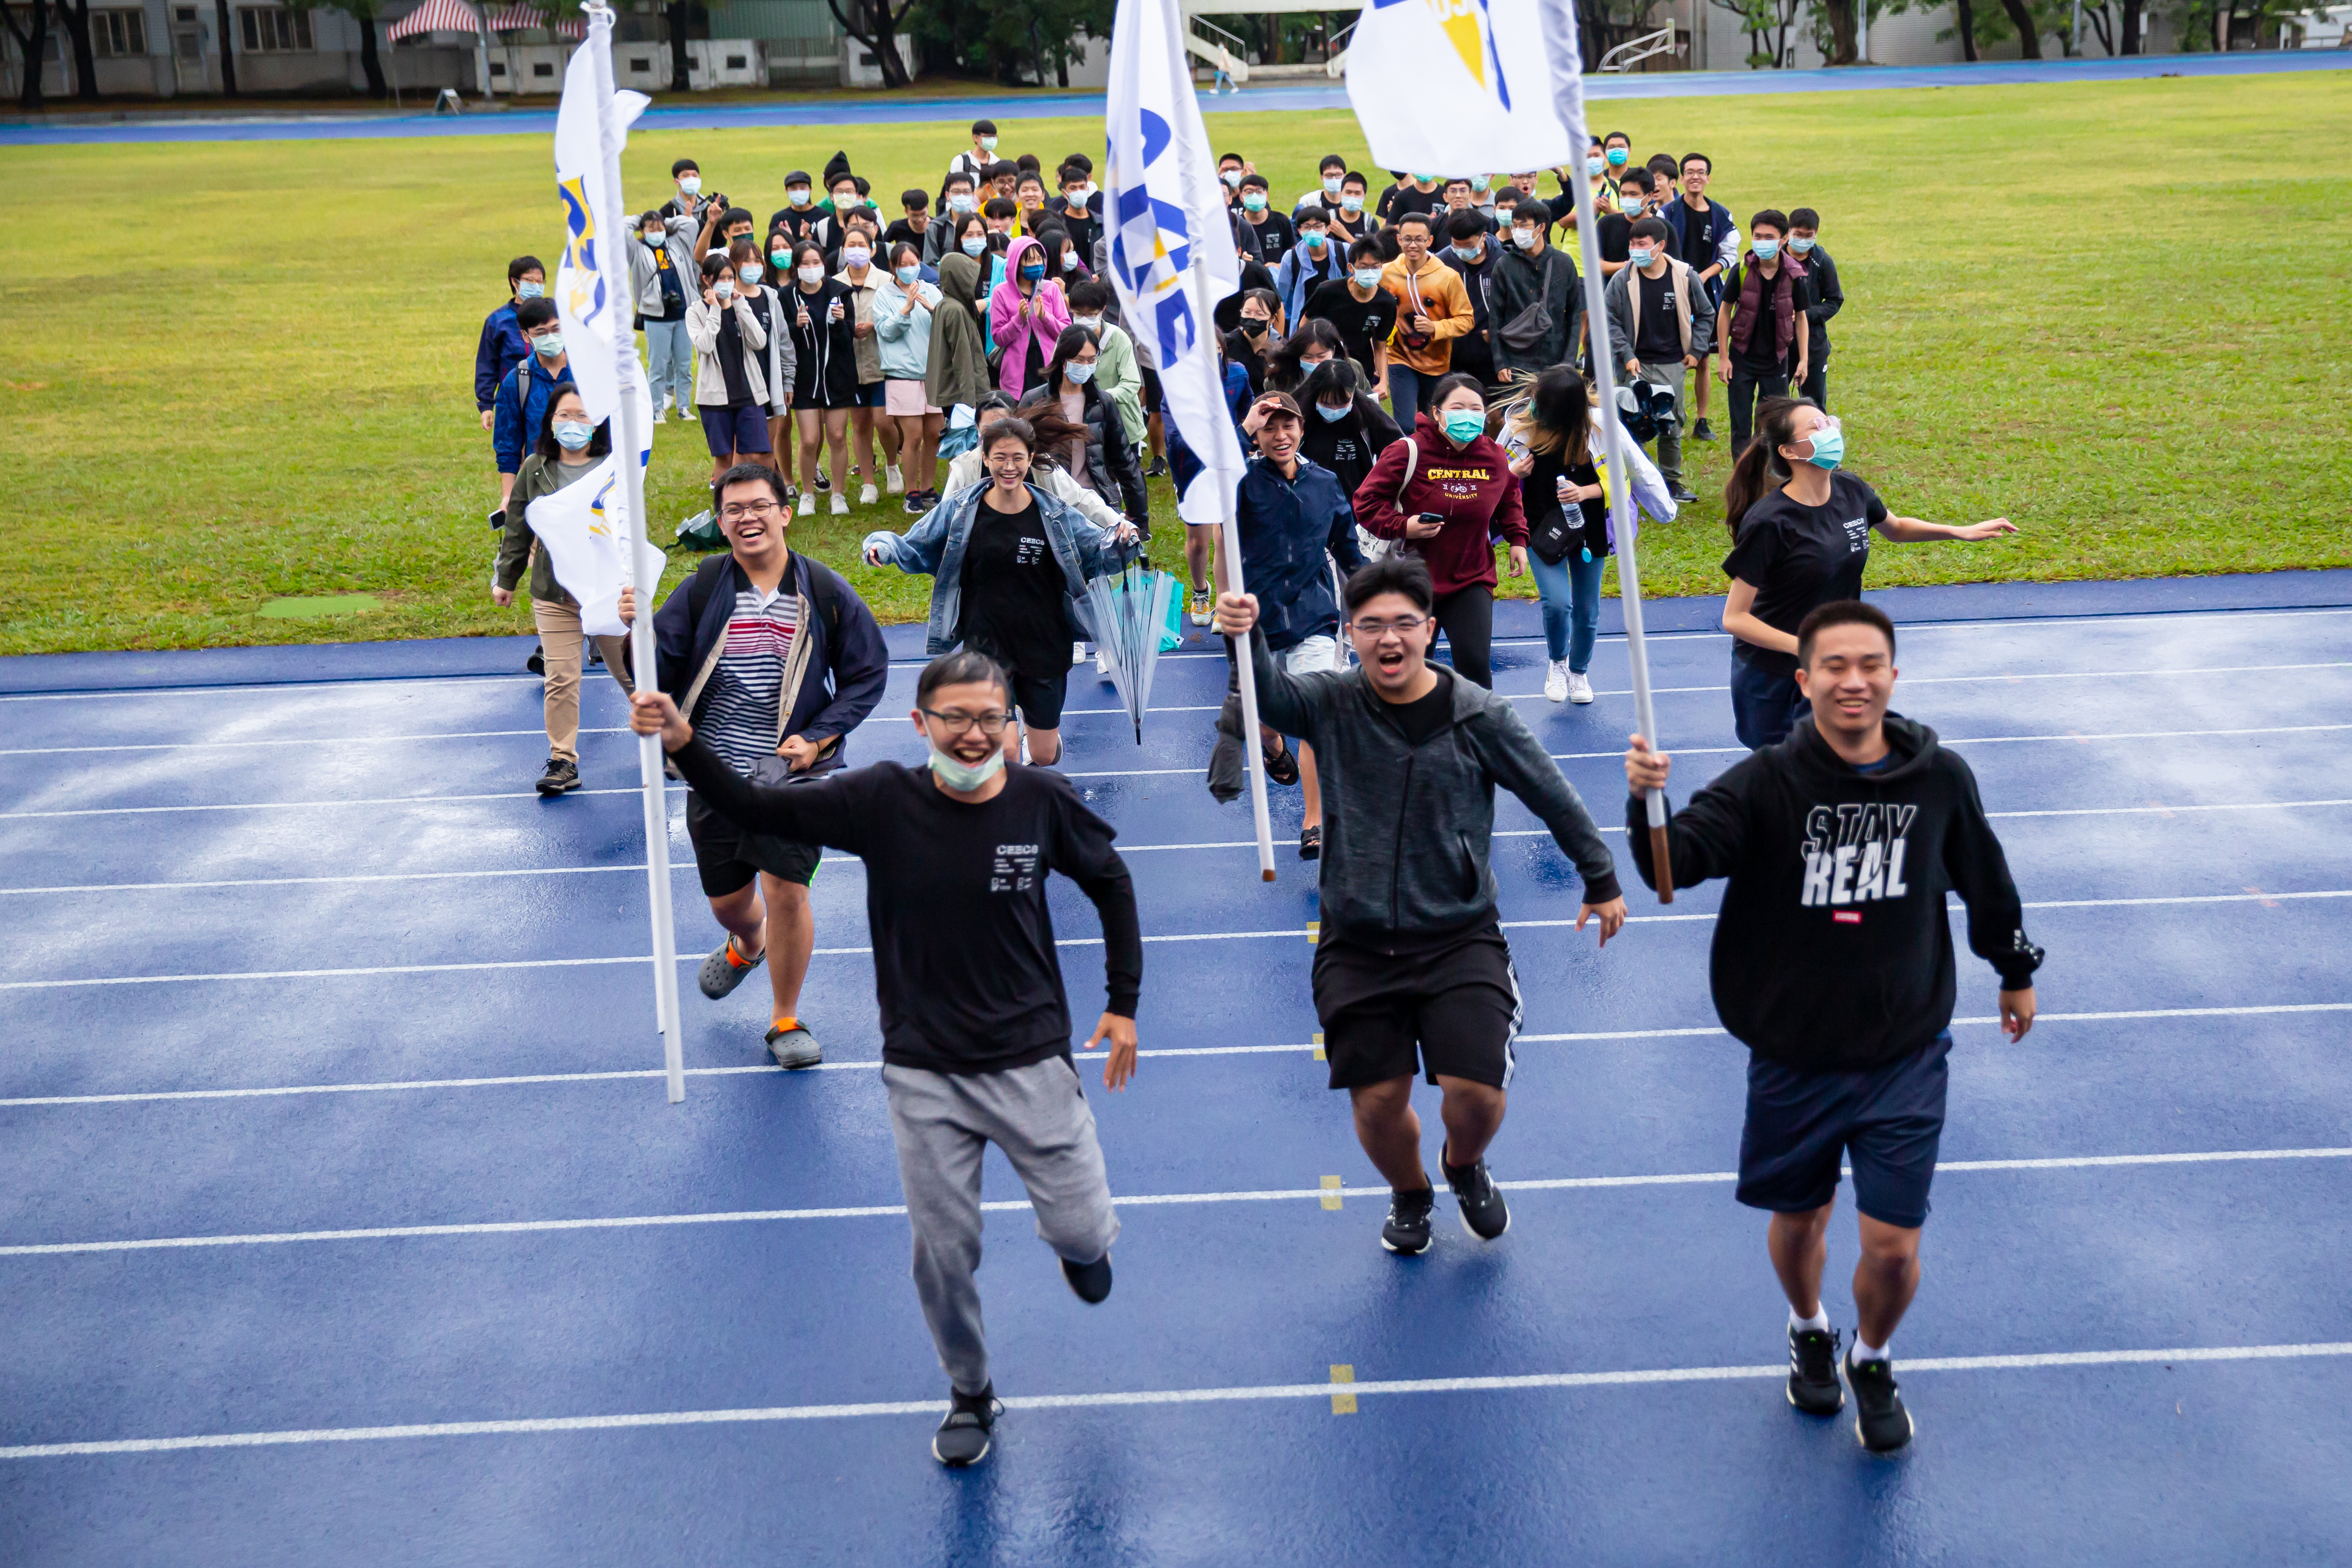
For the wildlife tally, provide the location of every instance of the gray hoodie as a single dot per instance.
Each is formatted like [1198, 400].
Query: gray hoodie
[1406, 828]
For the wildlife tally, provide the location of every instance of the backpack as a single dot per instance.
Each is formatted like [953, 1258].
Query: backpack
[826, 589]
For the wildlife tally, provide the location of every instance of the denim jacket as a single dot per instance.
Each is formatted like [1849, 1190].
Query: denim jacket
[936, 545]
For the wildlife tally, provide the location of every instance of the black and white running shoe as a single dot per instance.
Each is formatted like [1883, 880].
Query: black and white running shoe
[1407, 1230]
[1089, 1282]
[962, 1437]
[561, 777]
[1814, 1385]
[1484, 1215]
[1879, 1419]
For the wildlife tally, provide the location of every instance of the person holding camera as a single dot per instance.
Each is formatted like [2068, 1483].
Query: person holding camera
[1661, 325]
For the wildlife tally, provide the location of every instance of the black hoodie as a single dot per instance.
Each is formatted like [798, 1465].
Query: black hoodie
[1833, 951]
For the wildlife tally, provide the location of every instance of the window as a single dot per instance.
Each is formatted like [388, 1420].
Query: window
[274, 31]
[118, 35]
[497, 68]
[543, 68]
[736, 62]
[641, 62]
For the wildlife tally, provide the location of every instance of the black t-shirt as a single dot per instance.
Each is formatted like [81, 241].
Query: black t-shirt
[1275, 237]
[965, 969]
[1348, 446]
[901, 230]
[1424, 716]
[730, 355]
[1762, 355]
[1013, 592]
[1362, 324]
[1539, 492]
[1660, 339]
[1800, 557]
[1398, 200]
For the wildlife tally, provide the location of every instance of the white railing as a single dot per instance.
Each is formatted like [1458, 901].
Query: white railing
[1335, 65]
[1225, 53]
[1633, 51]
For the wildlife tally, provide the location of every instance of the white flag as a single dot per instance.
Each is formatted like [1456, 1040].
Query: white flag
[1171, 254]
[1453, 87]
[594, 311]
[584, 529]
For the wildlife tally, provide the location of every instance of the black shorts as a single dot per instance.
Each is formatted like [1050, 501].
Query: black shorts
[1039, 696]
[1459, 1002]
[1888, 1119]
[726, 856]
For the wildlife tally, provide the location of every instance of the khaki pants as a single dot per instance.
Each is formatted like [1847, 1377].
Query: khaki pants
[559, 641]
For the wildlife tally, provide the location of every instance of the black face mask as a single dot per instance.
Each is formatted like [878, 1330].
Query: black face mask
[1254, 327]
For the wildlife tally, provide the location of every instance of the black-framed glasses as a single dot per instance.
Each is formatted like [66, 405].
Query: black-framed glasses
[956, 721]
[1403, 626]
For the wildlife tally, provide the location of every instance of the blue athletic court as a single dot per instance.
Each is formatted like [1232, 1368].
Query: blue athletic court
[342, 1219]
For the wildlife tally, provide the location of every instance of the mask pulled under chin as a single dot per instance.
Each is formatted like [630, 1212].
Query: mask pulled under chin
[964, 776]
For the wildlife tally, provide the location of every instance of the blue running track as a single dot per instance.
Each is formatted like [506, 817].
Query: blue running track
[342, 1219]
[678, 116]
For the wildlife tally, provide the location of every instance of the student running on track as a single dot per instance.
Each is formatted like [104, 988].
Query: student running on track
[975, 1023]
[1833, 963]
[1412, 952]
[778, 659]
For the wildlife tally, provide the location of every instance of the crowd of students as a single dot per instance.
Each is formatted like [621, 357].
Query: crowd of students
[1409, 372]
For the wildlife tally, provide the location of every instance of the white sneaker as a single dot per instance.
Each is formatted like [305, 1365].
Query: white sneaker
[866, 497]
[1555, 680]
[1077, 653]
[892, 482]
[1579, 689]
[841, 503]
[1102, 662]
[808, 503]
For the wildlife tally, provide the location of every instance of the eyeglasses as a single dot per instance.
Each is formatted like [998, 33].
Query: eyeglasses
[955, 720]
[1403, 626]
[741, 510]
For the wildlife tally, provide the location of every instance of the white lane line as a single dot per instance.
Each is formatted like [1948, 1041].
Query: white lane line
[318, 881]
[300, 740]
[870, 1064]
[1970, 741]
[1020, 1205]
[1634, 1377]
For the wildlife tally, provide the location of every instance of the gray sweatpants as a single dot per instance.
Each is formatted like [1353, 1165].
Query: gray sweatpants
[942, 1123]
[1671, 376]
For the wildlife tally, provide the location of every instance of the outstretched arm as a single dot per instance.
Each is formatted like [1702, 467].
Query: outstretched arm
[1519, 763]
[822, 811]
[1082, 851]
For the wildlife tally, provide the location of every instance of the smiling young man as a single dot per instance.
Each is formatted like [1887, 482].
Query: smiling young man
[778, 659]
[1411, 967]
[975, 1022]
[1432, 309]
[1833, 963]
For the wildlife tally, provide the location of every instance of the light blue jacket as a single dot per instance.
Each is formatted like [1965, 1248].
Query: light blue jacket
[905, 333]
[936, 545]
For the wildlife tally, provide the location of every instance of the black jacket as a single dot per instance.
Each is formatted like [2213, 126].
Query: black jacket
[1833, 951]
[1828, 300]
[1110, 451]
[1518, 282]
[826, 375]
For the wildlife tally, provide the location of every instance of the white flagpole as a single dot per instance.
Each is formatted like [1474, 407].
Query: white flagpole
[1559, 25]
[1229, 531]
[645, 562]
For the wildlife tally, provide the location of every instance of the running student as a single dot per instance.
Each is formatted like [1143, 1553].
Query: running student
[777, 660]
[1833, 963]
[1411, 953]
[975, 1022]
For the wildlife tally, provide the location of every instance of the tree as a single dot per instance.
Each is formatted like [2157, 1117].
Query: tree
[2029, 28]
[32, 42]
[1766, 23]
[1013, 41]
[678, 13]
[1834, 31]
[875, 24]
[228, 54]
[1602, 25]
[75, 14]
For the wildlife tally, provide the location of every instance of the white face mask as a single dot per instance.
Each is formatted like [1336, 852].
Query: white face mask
[797, 195]
[855, 256]
[1092, 324]
[691, 184]
[962, 776]
[749, 272]
[724, 288]
[1525, 238]
[812, 274]
[653, 237]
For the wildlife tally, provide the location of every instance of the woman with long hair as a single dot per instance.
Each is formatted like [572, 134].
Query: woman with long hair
[904, 310]
[568, 447]
[1567, 533]
[777, 363]
[1445, 493]
[1346, 430]
[1086, 436]
[730, 385]
[1800, 529]
[823, 336]
[1315, 342]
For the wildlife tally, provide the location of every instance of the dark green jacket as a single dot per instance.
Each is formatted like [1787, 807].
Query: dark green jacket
[537, 478]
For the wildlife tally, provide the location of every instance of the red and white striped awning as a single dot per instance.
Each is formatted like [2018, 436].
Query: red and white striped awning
[436, 16]
[514, 18]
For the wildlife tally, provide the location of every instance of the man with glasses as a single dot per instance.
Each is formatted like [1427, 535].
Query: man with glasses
[777, 658]
[1412, 953]
[975, 1022]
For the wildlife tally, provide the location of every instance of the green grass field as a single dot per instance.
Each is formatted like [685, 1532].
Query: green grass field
[236, 373]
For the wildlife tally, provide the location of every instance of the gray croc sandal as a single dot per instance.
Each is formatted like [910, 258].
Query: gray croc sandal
[794, 1047]
[724, 970]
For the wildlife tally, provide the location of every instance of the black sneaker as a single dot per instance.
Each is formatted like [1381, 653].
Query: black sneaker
[560, 778]
[1879, 1419]
[537, 663]
[1702, 431]
[962, 1437]
[1814, 1385]
[1682, 493]
[1407, 1230]
[791, 495]
[824, 481]
[1159, 469]
[1089, 1282]
[1483, 1213]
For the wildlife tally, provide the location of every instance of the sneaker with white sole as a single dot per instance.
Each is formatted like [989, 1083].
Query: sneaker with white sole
[1880, 1419]
[892, 480]
[1202, 610]
[1102, 662]
[1077, 653]
[841, 503]
[963, 1437]
[1579, 688]
[1555, 681]
[866, 496]
[808, 503]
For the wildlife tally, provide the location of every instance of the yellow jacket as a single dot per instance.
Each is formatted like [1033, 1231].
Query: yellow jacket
[1441, 298]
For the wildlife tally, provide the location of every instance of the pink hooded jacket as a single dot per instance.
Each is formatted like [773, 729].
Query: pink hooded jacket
[1049, 313]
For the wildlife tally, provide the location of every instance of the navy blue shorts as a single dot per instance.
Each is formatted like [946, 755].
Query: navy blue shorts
[1889, 1118]
[727, 429]
[870, 394]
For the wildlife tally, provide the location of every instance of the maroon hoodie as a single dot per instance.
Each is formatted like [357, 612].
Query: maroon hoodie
[1471, 486]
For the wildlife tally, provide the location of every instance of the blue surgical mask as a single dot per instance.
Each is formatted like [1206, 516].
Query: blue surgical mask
[907, 274]
[1032, 270]
[1079, 374]
[1352, 204]
[1254, 201]
[691, 185]
[965, 777]
[1368, 277]
[1331, 184]
[1765, 249]
[1629, 202]
[1829, 447]
[572, 434]
[530, 290]
[1640, 255]
[1800, 246]
[1617, 156]
[1335, 415]
[1312, 239]
[797, 195]
[550, 345]
[974, 243]
[961, 201]
[1592, 167]
[749, 271]
[1469, 252]
[1464, 426]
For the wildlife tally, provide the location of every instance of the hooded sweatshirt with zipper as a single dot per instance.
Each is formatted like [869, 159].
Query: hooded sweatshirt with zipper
[1407, 828]
[1833, 951]
[1471, 486]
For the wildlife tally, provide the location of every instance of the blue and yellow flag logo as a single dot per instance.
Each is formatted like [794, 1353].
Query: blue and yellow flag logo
[585, 282]
[1151, 246]
[1470, 28]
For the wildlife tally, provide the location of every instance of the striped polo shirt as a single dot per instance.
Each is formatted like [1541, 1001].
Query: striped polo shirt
[739, 712]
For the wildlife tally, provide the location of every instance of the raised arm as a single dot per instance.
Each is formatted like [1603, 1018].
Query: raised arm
[1516, 760]
[1705, 839]
[826, 811]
